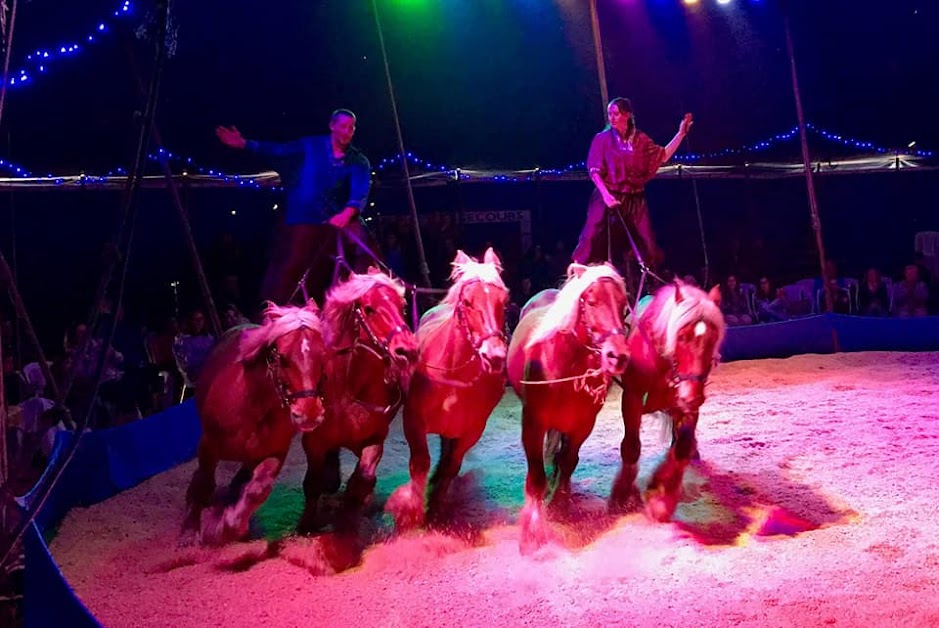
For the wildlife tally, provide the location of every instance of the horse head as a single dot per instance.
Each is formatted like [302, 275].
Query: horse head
[290, 341]
[370, 307]
[695, 331]
[600, 316]
[479, 298]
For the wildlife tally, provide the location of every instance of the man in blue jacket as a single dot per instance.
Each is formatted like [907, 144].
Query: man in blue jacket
[327, 182]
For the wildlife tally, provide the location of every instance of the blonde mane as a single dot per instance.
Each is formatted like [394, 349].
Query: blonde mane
[664, 318]
[463, 273]
[342, 296]
[562, 313]
[279, 321]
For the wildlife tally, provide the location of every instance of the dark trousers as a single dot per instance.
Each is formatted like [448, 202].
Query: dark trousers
[297, 248]
[632, 210]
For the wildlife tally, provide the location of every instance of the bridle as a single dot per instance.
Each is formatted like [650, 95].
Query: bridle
[487, 333]
[676, 377]
[475, 342]
[595, 341]
[381, 349]
[281, 387]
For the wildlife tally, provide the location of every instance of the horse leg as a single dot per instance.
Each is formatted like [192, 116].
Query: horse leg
[565, 462]
[534, 531]
[406, 504]
[362, 482]
[332, 476]
[665, 487]
[234, 521]
[316, 480]
[452, 452]
[237, 484]
[624, 496]
[200, 491]
[553, 444]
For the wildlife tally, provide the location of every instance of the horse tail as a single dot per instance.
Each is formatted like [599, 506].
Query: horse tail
[554, 443]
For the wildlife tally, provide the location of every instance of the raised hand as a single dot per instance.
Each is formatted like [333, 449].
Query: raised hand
[685, 124]
[231, 137]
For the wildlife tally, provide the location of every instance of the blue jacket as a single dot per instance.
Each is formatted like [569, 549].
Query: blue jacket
[318, 185]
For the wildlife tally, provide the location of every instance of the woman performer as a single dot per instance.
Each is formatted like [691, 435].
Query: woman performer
[621, 161]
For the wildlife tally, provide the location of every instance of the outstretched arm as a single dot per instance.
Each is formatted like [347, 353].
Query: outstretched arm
[683, 129]
[232, 137]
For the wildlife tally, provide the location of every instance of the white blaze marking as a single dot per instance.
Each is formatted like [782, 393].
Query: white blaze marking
[700, 328]
[305, 370]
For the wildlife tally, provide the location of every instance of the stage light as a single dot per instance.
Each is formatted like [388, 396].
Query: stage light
[723, 1]
[911, 144]
[690, 1]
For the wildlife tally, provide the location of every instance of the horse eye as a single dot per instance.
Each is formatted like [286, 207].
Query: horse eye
[466, 302]
[369, 310]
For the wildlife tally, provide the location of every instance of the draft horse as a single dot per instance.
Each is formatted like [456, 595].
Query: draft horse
[673, 345]
[459, 379]
[370, 358]
[258, 387]
[564, 353]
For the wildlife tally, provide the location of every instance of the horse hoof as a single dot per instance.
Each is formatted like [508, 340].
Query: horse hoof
[406, 508]
[625, 505]
[534, 533]
[218, 529]
[188, 537]
[309, 526]
[660, 507]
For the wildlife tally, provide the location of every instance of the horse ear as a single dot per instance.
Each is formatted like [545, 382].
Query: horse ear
[374, 270]
[679, 297]
[491, 258]
[715, 294]
[462, 258]
[312, 306]
[575, 270]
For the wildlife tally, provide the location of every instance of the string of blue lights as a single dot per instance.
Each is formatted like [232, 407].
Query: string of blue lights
[189, 164]
[42, 59]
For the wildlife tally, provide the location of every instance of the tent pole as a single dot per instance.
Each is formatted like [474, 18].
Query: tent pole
[425, 270]
[598, 50]
[7, 48]
[173, 189]
[807, 166]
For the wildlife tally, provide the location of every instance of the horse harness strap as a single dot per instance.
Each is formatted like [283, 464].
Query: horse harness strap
[460, 311]
[676, 377]
[596, 342]
[280, 386]
[487, 333]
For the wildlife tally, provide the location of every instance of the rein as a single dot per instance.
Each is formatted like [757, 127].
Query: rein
[378, 348]
[595, 346]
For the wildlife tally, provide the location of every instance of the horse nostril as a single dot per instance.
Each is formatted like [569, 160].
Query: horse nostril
[407, 353]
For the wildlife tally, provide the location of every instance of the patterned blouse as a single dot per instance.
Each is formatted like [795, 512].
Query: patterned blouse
[624, 165]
